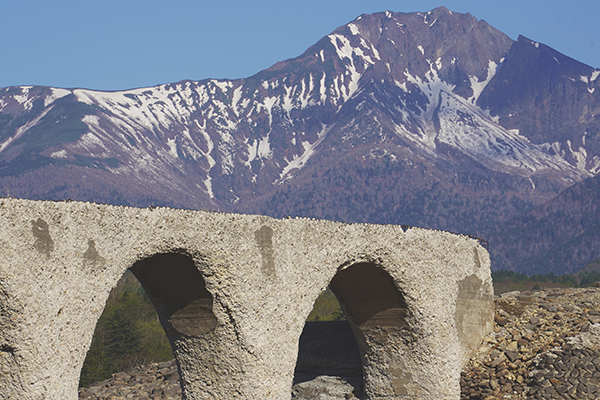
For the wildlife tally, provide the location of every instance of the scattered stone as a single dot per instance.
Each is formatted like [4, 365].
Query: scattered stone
[512, 355]
[500, 320]
[323, 388]
[149, 382]
[545, 345]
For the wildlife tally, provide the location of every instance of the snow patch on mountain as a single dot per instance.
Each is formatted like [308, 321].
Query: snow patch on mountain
[468, 129]
[24, 128]
[345, 50]
[354, 29]
[264, 148]
[431, 85]
[401, 85]
[172, 144]
[298, 162]
[226, 148]
[55, 95]
[346, 85]
[62, 154]
[92, 145]
[252, 151]
[24, 99]
[237, 96]
[580, 155]
[514, 132]
[478, 85]
[323, 89]
[121, 128]
[151, 108]
[207, 154]
[595, 165]
[208, 185]
[223, 85]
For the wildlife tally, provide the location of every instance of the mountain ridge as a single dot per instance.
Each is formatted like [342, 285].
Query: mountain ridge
[391, 118]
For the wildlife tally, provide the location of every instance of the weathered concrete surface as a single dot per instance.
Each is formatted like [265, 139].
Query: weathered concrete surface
[233, 292]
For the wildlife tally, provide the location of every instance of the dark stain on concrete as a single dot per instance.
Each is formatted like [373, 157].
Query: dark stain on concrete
[91, 255]
[43, 241]
[400, 379]
[264, 237]
[477, 261]
[473, 309]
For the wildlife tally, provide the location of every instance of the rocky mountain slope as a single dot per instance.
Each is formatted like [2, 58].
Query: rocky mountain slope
[433, 119]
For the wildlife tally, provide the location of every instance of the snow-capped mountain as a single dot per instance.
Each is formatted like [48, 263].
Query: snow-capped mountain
[434, 119]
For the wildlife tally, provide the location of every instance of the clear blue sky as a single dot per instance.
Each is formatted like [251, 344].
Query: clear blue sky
[124, 44]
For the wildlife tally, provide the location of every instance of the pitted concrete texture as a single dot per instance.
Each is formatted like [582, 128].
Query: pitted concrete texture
[233, 293]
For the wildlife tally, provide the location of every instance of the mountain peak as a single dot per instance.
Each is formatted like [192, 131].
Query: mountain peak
[442, 11]
[407, 109]
[538, 90]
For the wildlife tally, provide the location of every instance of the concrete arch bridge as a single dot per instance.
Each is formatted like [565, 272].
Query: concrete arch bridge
[233, 293]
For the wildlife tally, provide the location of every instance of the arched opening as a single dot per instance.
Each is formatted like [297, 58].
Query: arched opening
[178, 291]
[157, 303]
[370, 297]
[328, 355]
[127, 334]
[334, 357]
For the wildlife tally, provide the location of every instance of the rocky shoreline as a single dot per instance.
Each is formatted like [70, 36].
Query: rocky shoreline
[156, 381]
[545, 345]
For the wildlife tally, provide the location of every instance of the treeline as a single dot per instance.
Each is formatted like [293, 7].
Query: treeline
[580, 279]
[326, 308]
[128, 334]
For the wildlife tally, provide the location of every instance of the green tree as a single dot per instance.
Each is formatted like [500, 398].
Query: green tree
[127, 334]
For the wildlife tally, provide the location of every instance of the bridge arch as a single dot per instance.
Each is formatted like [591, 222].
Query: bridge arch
[370, 297]
[184, 306]
[428, 306]
[378, 317]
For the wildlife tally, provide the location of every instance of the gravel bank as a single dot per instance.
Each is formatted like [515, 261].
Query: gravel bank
[545, 345]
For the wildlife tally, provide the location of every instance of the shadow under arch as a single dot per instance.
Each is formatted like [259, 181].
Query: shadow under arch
[369, 297]
[178, 291]
[376, 314]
